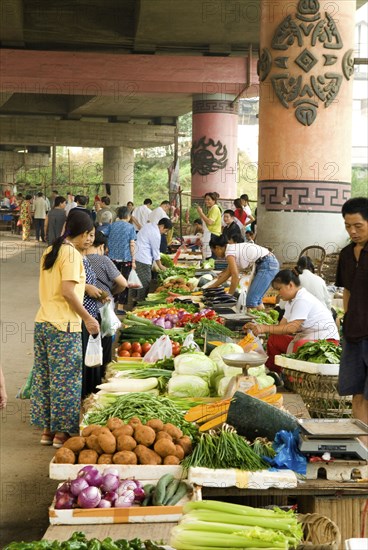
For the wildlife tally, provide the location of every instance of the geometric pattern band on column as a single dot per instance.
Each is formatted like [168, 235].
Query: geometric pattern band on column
[303, 195]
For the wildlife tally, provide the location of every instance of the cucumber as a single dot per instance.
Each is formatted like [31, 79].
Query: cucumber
[171, 490]
[140, 320]
[148, 489]
[160, 490]
[182, 490]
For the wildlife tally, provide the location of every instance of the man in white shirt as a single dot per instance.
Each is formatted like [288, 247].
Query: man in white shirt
[141, 214]
[39, 213]
[147, 251]
[160, 212]
[70, 203]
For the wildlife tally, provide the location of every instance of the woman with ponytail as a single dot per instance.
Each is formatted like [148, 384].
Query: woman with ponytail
[57, 370]
[305, 319]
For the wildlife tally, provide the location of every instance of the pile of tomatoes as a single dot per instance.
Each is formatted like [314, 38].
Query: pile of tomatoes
[136, 349]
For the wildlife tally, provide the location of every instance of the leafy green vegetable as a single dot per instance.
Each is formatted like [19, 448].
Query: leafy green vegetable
[269, 318]
[321, 351]
[208, 264]
[166, 260]
[175, 271]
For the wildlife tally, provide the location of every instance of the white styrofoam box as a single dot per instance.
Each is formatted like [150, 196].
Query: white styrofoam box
[356, 544]
[306, 366]
[338, 470]
[262, 479]
[126, 471]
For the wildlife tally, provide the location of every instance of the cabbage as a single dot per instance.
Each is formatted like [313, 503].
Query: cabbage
[225, 349]
[195, 364]
[223, 385]
[187, 386]
[263, 380]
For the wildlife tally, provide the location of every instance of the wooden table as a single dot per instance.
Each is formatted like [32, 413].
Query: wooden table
[155, 531]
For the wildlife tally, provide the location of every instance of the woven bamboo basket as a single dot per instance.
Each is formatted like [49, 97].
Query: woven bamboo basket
[320, 533]
[319, 393]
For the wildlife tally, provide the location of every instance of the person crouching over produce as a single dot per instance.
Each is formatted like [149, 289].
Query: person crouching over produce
[240, 256]
[57, 369]
[305, 319]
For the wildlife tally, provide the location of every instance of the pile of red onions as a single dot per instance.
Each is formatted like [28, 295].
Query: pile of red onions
[91, 489]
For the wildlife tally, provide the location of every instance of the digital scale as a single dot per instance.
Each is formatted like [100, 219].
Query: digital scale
[339, 437]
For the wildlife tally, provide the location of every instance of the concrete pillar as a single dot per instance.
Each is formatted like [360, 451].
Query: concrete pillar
[305, 70]
[214, 146]
[118, 171]
[11, 162]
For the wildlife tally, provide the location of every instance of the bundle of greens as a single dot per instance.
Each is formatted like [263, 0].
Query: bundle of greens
[186, 272]
[270, 317]
[321, 351]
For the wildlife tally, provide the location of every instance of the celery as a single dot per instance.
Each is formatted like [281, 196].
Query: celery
[243, 520]
[182, 538]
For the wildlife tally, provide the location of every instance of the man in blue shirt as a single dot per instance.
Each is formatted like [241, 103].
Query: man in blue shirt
[147, 252]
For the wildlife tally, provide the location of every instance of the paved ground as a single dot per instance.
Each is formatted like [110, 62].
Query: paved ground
[26, 491]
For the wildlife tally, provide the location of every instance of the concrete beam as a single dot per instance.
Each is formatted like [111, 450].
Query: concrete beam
[47, 131]
[121, 76]
[4, 97]
[11, 23]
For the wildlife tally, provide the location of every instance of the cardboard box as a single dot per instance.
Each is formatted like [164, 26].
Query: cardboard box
[262, 479]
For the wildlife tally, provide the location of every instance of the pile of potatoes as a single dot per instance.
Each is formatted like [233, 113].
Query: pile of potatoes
[132, 443]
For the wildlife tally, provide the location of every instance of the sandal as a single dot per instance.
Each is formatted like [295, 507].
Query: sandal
[47, 438]
[59, 440]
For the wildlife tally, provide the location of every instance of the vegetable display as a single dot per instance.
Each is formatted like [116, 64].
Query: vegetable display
[270, 317]
[133, 443]
[143, 406]
[220, 525]
[321, 351]
[168, 491]
[78, 541]
[225, 449]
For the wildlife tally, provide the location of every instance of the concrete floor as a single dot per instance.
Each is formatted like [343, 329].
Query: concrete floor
[26, 491]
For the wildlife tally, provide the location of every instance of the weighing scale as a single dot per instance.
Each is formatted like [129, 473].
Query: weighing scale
[242, 382]
[339, 437]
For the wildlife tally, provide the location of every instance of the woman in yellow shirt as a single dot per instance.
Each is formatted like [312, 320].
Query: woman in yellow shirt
[211, 222]
[57, 369]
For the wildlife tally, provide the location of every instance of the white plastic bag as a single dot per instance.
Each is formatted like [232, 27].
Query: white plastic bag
[93, 357]
[161, 349]
[241, 304]
[190, 343]
[133, 280]
[110, 323]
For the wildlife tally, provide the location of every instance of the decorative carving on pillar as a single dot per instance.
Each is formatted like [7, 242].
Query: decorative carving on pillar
[307, 28]
[207, 157]
[215, 106]
[304, 195]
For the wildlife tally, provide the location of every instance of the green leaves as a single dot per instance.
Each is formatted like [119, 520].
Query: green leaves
[321, 352]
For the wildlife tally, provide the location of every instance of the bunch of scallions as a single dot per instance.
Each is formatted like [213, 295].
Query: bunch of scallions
[213, 525]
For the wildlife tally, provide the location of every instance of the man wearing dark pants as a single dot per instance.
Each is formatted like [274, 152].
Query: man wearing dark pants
[352, 275]
[148, 251]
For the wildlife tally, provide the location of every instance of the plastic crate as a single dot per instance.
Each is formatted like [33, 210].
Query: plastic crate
[319, 393]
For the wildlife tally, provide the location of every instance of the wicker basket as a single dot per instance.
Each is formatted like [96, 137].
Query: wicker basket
[320, 533]
[319, 393]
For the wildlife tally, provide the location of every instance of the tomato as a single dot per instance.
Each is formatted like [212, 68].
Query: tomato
[211, 314]
[136, 347]
[136, 354]
[123, 353]
[126, 346]
[146, 347]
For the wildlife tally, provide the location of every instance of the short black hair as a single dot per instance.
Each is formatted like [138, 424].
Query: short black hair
[166, 222]
[147, 201]
[40, 194]
[285, 277]
[357, 205]
[304, 262]
[106, 200]
[28, 197]
[81, 199]
[59, 200]
[54, 191]
[218, 240]
[100, 238]
[198, 221]
[230, 212]
[123, 212]
[165, 202]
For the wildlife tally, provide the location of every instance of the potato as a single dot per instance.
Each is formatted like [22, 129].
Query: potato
[186, 443]
[125, 457]
[163, 435]
[134, 421]
[155, 424]
[105, 459]
[92, 443]
[171, 460]
[144, 435]
[114, 423]
[147, 456]
[107, 442]
[175, 432]
[75, 444]
[126, 443]
[164, 447]
[124, 430]
[104, 430]
[88, 456]
[64, 456]
[91, 429]
[179, 452]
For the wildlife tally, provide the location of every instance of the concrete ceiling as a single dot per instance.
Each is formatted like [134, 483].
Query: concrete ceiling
[132, 30]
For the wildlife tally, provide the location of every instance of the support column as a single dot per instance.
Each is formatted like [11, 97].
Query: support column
[305, 69]
[118, 171]
[214, 146]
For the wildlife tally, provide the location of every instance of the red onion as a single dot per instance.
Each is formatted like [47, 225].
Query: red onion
[91, 475]
[109, 483]
[66, 501]
[64, 488]
[125, 500]
[110, 496]
[160, 322]
[126, 485]
[77, 485]
[89, 498]
[168, 324]
[104, 503]
[139, 495]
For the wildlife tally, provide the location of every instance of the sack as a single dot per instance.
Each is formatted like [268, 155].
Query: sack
[133, 280]
[110, 323]
[25, 391]
[19, 223]
[161, 349]
[93, 357]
